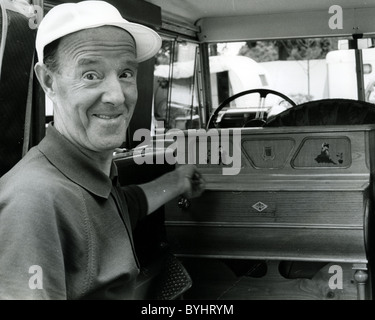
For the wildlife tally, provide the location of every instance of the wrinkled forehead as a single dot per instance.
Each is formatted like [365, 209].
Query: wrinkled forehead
[104, 38]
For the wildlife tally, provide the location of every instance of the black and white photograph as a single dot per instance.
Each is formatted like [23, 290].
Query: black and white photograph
[189, 156]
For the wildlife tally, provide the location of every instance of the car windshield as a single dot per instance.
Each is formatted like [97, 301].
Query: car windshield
[302, 69]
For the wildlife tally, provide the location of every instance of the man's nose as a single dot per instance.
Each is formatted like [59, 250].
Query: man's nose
[113, 91]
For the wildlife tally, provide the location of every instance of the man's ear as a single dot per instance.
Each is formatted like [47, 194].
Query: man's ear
[45, 78]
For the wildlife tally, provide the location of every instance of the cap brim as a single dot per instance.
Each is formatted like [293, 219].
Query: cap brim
[69, 18]
[147, 41]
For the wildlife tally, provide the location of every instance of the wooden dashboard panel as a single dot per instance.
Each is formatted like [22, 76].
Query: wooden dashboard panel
[300, 194]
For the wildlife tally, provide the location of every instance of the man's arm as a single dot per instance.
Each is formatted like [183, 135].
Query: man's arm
[32, 265]
[185, 181]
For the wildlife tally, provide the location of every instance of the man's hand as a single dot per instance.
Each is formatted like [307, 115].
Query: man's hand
[184, 181]
[191, 180]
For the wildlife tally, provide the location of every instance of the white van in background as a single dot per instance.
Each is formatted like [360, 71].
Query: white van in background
[341, 74]
[230, 74]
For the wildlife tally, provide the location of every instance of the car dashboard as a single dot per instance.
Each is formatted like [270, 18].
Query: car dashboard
[298, 194]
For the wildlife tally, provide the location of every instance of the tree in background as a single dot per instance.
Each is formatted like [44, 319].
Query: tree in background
[295, 49]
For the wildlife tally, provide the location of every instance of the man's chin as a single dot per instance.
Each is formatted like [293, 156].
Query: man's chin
[108, 142]
[110, 146]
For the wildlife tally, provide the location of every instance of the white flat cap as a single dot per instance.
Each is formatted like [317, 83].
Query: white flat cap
[67, 18]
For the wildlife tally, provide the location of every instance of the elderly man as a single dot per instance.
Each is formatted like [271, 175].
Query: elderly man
[65, 223]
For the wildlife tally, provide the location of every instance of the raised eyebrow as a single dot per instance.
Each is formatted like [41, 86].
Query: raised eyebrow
[87, 62]
[132, 63]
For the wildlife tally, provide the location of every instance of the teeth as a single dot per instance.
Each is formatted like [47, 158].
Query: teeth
[102, 116]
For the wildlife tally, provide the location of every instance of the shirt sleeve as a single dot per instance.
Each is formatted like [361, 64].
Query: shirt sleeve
[137, 203]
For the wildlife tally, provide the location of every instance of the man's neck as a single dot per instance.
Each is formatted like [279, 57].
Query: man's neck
[103, 160]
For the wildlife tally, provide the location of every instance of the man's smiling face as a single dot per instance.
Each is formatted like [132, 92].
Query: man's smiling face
[94, 89]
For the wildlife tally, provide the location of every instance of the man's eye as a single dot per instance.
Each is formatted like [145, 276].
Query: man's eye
[126, 74]
[90, 76]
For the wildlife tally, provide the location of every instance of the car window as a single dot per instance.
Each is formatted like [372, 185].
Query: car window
[175, 85]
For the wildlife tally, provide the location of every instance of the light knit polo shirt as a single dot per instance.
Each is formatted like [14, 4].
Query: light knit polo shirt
[66, 227]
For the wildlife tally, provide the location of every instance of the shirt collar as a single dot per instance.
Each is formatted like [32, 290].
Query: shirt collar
[75, 165]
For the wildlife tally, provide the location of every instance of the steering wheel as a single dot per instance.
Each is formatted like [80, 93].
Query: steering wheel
[259, 118]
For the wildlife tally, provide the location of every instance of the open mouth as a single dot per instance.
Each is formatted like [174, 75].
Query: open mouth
[107, 117]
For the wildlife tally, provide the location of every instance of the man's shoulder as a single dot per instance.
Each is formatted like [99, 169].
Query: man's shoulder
[32, 173]
[36, 185]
